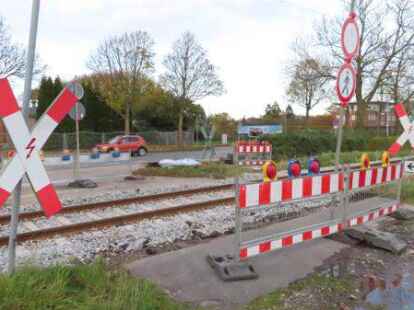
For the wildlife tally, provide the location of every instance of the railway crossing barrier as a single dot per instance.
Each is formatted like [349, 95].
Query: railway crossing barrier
[252, 153]
[309, 207]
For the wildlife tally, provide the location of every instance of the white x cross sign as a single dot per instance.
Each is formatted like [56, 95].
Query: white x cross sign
[407, 135]
[29, 144]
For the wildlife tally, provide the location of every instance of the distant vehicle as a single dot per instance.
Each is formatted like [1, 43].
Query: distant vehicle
[132, 143]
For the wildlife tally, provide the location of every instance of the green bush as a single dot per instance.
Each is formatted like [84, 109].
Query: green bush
[313, 142]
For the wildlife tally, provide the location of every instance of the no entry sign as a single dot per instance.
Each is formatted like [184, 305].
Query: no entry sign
[28, 144]
[350, 37]
[346, 83]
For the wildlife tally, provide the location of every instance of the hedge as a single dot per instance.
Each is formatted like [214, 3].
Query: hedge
[311, 142]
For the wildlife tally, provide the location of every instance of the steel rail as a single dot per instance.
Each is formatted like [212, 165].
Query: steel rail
[5, 219]
[118, 220]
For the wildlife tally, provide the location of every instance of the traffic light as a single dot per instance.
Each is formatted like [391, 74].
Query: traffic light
[294, 168]
[269, 171]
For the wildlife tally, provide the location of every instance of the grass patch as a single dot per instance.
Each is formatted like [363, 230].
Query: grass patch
[206, 170]
[80, 287]
[314, 292]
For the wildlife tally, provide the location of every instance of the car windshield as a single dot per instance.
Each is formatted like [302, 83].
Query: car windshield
[114, 140]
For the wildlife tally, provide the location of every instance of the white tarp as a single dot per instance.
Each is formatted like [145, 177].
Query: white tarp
[178, 162]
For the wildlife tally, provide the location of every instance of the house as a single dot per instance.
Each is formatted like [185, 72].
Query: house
[379, 116]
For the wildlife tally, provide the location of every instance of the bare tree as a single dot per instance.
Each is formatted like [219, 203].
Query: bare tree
[387, 38]
[189, 75]
[12, 56]
[122, 65]
[308, 79]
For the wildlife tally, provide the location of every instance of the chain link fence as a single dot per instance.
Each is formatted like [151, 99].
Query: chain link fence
[89, 139]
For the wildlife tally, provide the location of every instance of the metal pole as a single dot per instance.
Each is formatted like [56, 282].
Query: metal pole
[77, 157]
[400, 182]
[341, 121]
[237, 222]
[14, 221]
[339, 138]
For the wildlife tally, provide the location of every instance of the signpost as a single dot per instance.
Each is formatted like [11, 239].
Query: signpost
[77, 114]
[346, 84]
[409, 167]
[28, 145]
[350, 36]
[14, 219]
[209, 149]
[346, 79]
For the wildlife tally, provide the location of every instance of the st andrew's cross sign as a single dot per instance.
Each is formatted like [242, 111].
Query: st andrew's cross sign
[407, 125]
[28, 144]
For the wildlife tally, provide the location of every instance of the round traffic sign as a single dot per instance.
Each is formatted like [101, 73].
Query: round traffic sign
[76, 89]
[350, 37]
[78, 112]
[345, 83]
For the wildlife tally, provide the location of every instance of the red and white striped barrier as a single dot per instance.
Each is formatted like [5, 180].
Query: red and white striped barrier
[249, 149]
[375, 176]
[255, 147]
[251, 195]
[28, 146]
[407, 135]
[251, 162]
[292, 239]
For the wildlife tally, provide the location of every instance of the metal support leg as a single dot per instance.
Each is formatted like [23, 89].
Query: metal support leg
[400, 183]
[237, 221]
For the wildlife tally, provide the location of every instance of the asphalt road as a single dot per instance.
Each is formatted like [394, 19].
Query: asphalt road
[104, 170]
[150, 157]
[108, 175]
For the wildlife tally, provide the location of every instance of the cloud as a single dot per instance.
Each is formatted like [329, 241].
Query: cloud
[247, 39]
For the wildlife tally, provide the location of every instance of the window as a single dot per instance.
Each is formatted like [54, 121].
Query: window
[372, 116]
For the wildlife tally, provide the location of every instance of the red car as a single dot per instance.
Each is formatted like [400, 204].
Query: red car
[134, 144]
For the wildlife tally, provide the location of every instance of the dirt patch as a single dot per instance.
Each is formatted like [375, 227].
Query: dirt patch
[359, 277]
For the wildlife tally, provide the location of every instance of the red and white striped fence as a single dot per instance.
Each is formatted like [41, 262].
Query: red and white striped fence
[253, 153]
[311, 186]
[278, 194]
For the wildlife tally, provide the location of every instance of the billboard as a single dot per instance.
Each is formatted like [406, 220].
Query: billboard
[259, 130]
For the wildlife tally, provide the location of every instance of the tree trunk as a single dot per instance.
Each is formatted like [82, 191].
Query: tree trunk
[307, 115]
[180, 129]
[361, 115]
[127, 118]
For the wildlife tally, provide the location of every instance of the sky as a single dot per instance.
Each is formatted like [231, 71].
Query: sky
[248, 40]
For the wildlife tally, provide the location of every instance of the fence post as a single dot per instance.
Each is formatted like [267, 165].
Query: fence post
[64, 141]
[400, 181]
[237, 221]
[345, 197]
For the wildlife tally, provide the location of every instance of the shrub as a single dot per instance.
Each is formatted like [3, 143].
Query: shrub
[312, 142]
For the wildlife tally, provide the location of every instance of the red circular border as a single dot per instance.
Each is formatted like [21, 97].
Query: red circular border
[345, 100]
[349, 54]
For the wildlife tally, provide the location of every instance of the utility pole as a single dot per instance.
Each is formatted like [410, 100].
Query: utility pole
[14, 221]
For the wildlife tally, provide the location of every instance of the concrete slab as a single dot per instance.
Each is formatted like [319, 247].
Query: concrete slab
[186, 275]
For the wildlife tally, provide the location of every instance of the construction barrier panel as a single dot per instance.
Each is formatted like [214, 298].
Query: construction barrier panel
[252, 153]
[314, 206]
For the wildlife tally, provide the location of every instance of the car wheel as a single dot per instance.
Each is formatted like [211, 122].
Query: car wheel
[142, 151]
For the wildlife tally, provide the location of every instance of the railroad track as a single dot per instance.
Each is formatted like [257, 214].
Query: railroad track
[114, 213]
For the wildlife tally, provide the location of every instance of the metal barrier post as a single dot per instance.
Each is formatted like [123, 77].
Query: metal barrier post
[345, 194]
[400, 181]
[237, 221]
